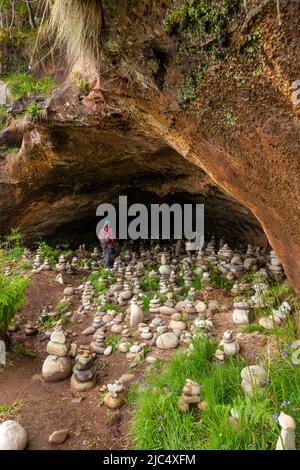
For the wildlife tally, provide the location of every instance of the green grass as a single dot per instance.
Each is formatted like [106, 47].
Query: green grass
[113, 341]
[255, 328]
[112, 307]
[63, 307]
[10, 411]
[24, 85]
[22, 351]
[48, 324]
[159, 424]
[149, 283]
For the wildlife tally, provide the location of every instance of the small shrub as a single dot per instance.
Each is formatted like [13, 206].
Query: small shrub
[33, 110]
[83, 85]
[24, 85]
[12, 296]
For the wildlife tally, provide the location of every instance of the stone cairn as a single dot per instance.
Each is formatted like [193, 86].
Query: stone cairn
[87, 296]
[286, 440]
[190, 396]
[57, 366]
[83, 377]
[241, 312]
[62, 264]
[254, 380]
[114, 398]
[229, 346]
[275, 267]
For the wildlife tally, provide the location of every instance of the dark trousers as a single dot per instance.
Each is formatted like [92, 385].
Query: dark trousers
[107, 251]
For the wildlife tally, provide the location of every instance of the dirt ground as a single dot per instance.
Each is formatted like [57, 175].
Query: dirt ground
[47, 407]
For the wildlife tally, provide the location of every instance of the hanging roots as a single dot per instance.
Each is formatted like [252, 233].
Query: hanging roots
[78, 25]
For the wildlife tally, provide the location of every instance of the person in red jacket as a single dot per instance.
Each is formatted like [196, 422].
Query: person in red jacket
[108, 241]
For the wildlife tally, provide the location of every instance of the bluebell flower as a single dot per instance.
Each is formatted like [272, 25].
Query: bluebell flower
[159, 418]
[284, 404]
[275, 417]
[159, 429]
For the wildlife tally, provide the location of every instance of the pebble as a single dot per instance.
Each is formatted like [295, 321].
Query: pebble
[108, 351]
[167, 341]
[58, 437]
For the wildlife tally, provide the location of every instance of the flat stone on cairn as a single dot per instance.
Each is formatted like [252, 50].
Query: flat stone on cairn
[154, 306]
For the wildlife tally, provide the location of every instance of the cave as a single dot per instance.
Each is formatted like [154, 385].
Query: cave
[62, 183]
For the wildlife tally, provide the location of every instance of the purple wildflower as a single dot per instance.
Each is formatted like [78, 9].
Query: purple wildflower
[159, 429]
[284, 404]
[275, 417]
[284, 354]
[159, 418]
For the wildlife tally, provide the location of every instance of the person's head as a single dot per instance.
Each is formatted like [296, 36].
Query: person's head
[106, 225]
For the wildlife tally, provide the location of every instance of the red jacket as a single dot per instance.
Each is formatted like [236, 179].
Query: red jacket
[107, 238]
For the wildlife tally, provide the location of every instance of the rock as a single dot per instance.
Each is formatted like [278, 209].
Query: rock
[126, 378]
[58, 437]
[58, 337]
[135, 348]
[164, 310]
[116, 328]
[167, 341]
[136, 315]
[77, 386]
[90, 330]
[254, 373]
[113, 402]
[151, 359]
[56, 368]
[177, 325]
[200, 306]
[12, 436]
[69, 291]
[234, 423]
[58, 349]
[266, 322]
[108, 351]
[286, 422]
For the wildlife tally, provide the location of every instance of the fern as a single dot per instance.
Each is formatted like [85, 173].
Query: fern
[12, 292]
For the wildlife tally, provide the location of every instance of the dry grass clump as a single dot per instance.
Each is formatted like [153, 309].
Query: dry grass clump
[78, 25]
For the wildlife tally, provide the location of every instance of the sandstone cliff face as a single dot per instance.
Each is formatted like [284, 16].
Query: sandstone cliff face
[214, 122]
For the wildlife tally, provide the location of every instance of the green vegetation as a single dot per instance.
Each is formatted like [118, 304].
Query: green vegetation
[24, 85]
[159, 424]
[112, 307]
[47, 252]
[10, 411]
[229, 117]
[188, 91]
[203, 18]
[83, 85]
[13, 244]
[12, 293]
[113, 341]
[149, 283]
[63, 307]
[47, 325]
[217, 280]
[33, 110]
[22, 351]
